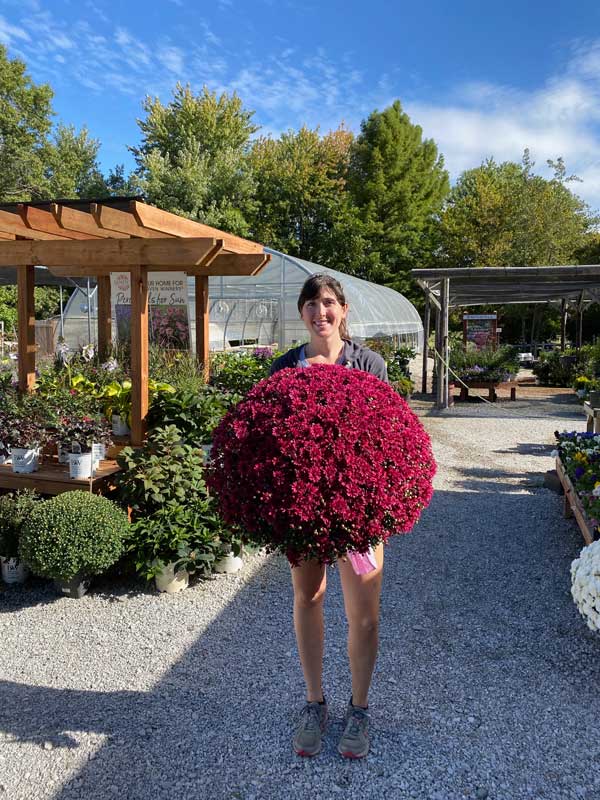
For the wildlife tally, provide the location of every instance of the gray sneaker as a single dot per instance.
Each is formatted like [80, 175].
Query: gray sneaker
[355, 738]
[312, 722]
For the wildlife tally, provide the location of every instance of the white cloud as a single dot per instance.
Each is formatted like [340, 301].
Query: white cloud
[171, 58]
[10, 32]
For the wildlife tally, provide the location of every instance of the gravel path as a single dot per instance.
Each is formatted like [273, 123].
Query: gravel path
[486, 684]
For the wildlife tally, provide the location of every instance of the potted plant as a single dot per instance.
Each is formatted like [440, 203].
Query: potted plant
[174, 519]
[72, 537]
[117, 408]
[195, 413]
[14, 510]
[84, 438]
[24, 434]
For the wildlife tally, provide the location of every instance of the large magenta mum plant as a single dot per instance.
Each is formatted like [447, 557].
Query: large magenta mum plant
[316, 462]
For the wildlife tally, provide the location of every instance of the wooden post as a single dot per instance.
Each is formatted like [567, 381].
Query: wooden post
[26, 323]
[202, 329]
[139, 353]
[426, 326]
[104, 322]
[436, 361]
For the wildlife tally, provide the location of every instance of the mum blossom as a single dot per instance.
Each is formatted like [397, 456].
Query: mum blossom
[321, 461]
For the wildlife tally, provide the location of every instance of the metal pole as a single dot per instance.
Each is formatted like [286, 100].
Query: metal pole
[426, 326]
[445, 301]
[89, 313]
[62, 314]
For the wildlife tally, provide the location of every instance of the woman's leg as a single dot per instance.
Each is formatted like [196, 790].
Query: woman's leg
[309, 581]
[361, 599]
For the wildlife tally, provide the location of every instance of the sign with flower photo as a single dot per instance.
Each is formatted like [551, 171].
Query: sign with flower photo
[168, 325]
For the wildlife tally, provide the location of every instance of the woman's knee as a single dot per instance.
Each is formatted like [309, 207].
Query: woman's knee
[309, 598]
[365, 626]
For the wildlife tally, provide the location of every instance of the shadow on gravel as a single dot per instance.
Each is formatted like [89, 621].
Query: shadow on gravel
[486, 679]
[529, 449]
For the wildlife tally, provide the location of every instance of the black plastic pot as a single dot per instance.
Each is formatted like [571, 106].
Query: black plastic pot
[74, 588]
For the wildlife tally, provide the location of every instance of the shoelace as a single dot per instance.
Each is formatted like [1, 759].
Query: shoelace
[310, 718]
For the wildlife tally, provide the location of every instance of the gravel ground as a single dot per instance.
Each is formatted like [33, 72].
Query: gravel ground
[486, 684]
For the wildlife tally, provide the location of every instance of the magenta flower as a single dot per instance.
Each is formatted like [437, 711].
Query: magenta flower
[320, 461]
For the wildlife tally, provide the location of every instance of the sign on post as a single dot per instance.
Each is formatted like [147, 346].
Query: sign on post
[480, 330]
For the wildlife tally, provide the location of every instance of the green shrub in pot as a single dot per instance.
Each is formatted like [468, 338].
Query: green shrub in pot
[164, 469]
[75, 533]
[15, 509]
[195, 414]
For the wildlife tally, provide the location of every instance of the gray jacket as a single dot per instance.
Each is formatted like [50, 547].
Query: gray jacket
[354, 355]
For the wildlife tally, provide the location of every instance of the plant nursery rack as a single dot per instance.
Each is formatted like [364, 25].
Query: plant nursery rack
[573, 506]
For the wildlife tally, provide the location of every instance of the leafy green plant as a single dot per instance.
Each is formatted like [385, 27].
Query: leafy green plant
[556, 368]
[117, 397]
[180, 368]
[404, 386]
[73, 533]
[165, 469]
[186, 534]
[486, 364]
[195, 414]
[396, 358]
[15, 508]
[238, 372]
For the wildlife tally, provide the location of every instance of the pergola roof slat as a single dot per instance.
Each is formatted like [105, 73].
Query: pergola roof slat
[114, 220]
[40, 219]
[73, 219]
[12, 223]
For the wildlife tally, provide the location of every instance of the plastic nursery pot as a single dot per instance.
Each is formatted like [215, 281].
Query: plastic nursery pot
[170, 581]
[81, 465]
[13, 571]
[228, 564]
[75, 588]
[595, 398]
[98, 454]
[63, 454]
[25, 459]
[120, 426]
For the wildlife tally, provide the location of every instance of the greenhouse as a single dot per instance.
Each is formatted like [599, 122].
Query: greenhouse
[261, 309]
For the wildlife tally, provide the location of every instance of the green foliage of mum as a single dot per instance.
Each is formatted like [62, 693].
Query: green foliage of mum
[73, 533]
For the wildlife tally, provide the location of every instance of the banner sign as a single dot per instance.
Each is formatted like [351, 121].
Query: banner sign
[480, 330]
[168, 320]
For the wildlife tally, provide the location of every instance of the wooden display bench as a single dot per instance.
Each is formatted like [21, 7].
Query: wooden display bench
[53, 478]
[491, 387]
[572, 504]
[593, 418]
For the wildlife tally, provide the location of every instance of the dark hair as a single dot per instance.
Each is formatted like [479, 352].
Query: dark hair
[312, 288]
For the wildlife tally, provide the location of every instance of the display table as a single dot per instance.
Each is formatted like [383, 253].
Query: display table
[573, 506]
[53, 478]
[593, 418]
[491, 387]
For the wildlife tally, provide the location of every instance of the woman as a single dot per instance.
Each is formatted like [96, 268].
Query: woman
[324, 311]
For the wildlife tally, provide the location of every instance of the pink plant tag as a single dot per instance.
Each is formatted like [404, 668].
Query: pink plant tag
[362, 563]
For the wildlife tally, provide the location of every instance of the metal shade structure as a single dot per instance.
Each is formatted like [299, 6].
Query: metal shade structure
[78, 239]
[461, 286]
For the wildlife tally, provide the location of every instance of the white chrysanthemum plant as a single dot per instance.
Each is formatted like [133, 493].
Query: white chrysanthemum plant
[585, 584]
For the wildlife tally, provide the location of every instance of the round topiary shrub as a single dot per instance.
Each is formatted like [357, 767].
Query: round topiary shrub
[322, 461]
[74, 533]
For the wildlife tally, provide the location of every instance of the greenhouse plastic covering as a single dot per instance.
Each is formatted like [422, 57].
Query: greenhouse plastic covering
[262, 309]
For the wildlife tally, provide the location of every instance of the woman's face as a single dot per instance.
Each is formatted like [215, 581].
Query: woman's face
[323, 314]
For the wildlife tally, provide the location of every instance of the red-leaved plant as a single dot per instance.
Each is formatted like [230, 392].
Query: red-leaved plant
[316, 462]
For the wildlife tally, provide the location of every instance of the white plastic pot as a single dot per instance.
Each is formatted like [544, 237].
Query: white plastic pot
[120, 426]
[228, 564]
[98, 453]
[13, 571]
[81, 466]
[63, 454]
[170, 581]
[25, 459]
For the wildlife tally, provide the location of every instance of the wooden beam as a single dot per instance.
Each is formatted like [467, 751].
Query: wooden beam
[234, 264]
[104, 316]
[41, 220]
[202, 328]
[112, 219]
[75, 220]
[164, 222]
[13, 224]
[118, 254]
[8, 236]
[26, 323]
[139, 353]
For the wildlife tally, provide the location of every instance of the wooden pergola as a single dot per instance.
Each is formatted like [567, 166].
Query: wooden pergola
[76, 238]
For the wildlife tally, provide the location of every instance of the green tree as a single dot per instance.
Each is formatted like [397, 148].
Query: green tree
[505, 215]
[71, 165]
[398, 182]
[193, 159]
[303, 207]
[46, 300]
[25, 121]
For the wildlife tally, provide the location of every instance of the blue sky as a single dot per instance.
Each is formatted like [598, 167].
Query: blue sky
[482, 79]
